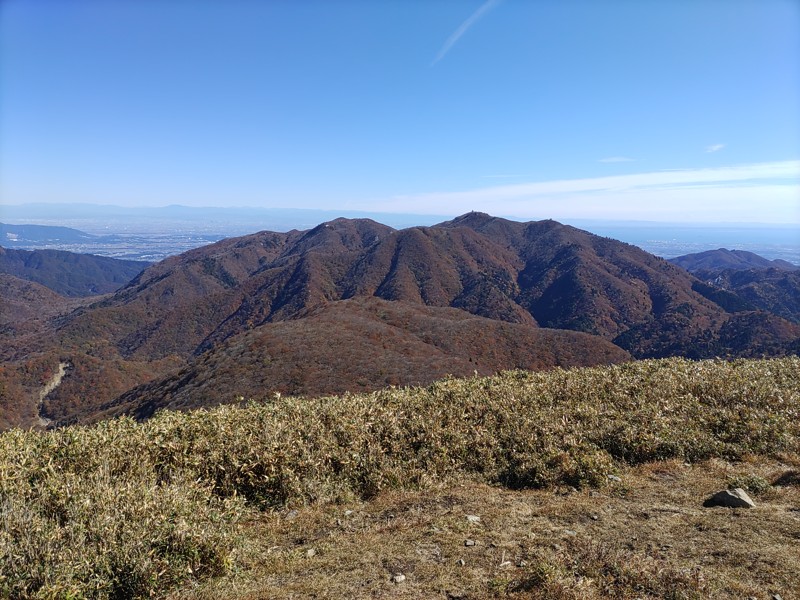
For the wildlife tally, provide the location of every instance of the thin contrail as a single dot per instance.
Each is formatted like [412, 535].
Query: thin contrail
[462, 29]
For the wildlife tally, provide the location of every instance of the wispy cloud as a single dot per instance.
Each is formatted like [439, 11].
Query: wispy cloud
[464, 27]
[616, 159]
[714, 147]
[765, 192]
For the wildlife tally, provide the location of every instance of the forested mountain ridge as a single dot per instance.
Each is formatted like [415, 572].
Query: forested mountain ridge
[192, 310]
[69, 273]
[743, 281]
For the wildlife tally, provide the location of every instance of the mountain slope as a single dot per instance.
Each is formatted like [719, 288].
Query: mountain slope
[68, 273]
[361, 344]
[773, 290]
[724, 259]
[540, 272]
[23, 300]
[742, 281]
[536, 274]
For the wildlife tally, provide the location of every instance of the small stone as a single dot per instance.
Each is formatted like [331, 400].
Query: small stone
[460, 562]
[469, 542]
[570, 533]
[398, 578]
[310, 553]
[614, 478]
[776, 597]
[347, 513]
[736, 498]
[473, 518]
[594, 517]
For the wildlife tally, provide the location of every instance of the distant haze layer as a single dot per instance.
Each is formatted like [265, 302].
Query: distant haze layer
[154, 233]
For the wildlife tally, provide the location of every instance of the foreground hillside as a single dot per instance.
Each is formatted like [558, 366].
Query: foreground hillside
[367, 306]
[339, 496]
[360, 344]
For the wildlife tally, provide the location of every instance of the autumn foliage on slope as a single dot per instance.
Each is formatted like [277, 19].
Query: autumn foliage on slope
[536, 274]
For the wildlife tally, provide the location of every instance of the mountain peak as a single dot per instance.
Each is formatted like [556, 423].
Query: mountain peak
[471, 219]
[520, 276]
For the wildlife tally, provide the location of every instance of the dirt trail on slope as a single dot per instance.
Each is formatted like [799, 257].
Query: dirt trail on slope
[54, 382]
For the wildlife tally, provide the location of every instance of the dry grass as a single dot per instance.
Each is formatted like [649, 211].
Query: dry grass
[123, 509]
[647, 536]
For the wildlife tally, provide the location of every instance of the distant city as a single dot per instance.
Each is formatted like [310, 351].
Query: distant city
[152, 234]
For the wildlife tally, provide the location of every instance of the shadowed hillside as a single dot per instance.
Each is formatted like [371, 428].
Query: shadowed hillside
[724, 260]
[742, 281]
[68, 273]
[773, 290]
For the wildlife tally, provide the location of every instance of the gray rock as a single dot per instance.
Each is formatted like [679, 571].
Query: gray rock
[736, 498]
[398, 578]
[614, 478]
[473, 518]
[460, 562]
[469, 542]
[311, 553]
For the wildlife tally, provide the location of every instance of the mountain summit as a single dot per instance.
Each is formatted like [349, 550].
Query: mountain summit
[356, 288]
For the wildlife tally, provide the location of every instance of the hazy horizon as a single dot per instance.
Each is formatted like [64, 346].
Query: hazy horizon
[663, 111]
[175, 229]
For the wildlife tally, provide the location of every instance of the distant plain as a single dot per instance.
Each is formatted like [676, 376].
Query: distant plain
[152, 234]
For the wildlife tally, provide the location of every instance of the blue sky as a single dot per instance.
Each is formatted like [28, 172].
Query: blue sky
[672, 110]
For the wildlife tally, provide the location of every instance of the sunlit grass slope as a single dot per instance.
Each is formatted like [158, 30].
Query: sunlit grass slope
[126, 509]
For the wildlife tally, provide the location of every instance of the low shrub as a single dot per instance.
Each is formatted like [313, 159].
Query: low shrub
[126, 509]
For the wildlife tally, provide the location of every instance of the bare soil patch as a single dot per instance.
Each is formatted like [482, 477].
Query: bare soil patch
[645, 536]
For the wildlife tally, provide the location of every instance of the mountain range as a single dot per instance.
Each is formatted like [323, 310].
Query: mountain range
[354, 305]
